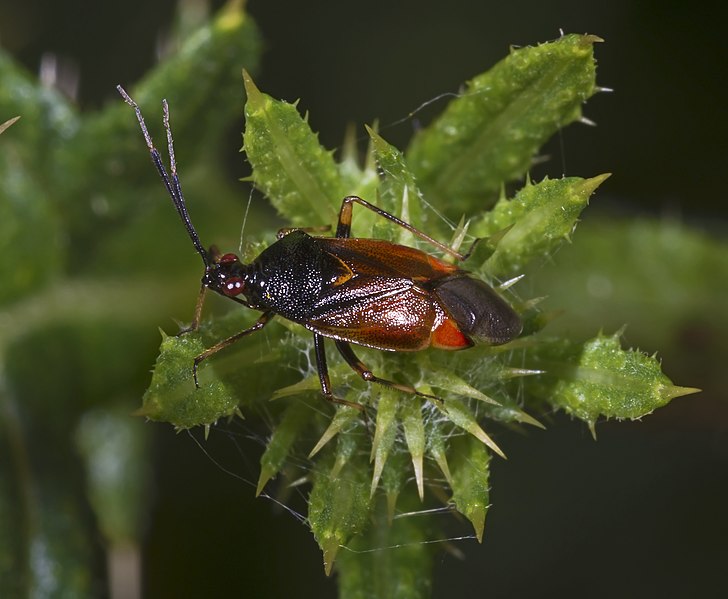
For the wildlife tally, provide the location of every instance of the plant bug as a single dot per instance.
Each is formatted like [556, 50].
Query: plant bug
[365, 292]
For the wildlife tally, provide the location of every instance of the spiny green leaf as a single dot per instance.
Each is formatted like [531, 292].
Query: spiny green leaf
[599, 378]
[450, 382]
[338, 507]
[295, 172]
[437, 448]
[490, 133]
[398, 192]
[236, 376]
[295, 418]
[394, 478]
[414, 434]
[172, 396]
[469, 464]
[385, 433]
[460, 415]
[309, 383]
[344, 416]
[539, 219]
[347, 447]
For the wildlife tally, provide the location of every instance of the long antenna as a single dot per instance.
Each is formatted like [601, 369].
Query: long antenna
[170, 182]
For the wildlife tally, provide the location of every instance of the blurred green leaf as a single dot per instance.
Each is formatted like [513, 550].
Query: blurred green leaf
[31, 248]
[663, 279]
[87, 273]
[392, 559]
[116, 452]
[48, 540]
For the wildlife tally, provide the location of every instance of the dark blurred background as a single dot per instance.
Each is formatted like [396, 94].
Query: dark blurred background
[662, 132]
[641, 512]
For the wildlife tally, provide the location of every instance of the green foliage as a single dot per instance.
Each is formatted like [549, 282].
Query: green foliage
[84, 281]
[599, 378]
[490, 134]
[172, 396]
[77, 207]
[338, 506]
[469, 467]
[399, 567]
[297, 175]
[516, 104]
[537, 221]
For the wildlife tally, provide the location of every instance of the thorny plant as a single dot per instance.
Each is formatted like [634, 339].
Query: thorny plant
[486, 136]
[405, 451]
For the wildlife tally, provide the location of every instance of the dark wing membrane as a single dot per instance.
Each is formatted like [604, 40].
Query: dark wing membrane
[478, 309]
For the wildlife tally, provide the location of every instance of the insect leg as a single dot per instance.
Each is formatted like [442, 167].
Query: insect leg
[323, 372]
[322, 366]
[359, 367]
[343, 228]
[260, 323]
[197, 316]
[195, 324]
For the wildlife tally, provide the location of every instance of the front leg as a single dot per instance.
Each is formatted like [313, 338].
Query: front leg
[195, 324]
[260, 323]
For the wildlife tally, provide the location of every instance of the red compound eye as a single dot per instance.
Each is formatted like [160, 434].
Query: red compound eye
[233, 285]
[227, 258]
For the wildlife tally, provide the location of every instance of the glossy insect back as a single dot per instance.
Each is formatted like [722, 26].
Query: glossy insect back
[363, 291]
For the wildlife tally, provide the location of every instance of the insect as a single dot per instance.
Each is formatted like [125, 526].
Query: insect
[365, 292]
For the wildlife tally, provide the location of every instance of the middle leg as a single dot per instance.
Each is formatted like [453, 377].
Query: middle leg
[323, 372]
[359, 367]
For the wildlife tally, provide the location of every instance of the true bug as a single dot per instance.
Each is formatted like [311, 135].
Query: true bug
[364, 291]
